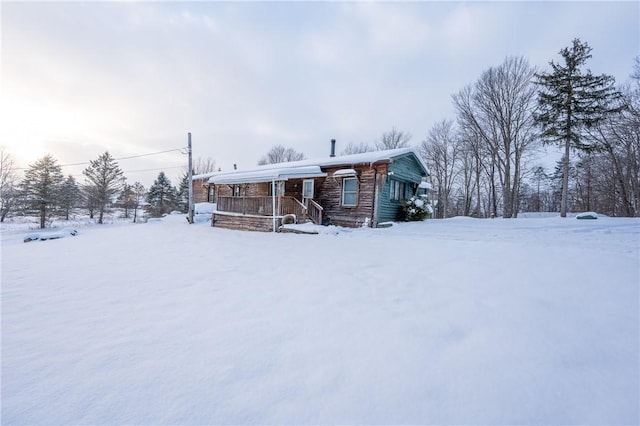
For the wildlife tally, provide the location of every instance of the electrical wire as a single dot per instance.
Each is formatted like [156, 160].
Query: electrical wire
[181, 150]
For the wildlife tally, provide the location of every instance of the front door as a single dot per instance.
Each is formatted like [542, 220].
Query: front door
[307, 190]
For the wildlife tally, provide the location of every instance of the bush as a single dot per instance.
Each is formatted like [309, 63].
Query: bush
[416, 209]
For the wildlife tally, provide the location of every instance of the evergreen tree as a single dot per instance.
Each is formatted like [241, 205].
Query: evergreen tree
[183, 194]
[69, 196]
[106, 178]
[41, 186]
[571, 101]
[162, 196]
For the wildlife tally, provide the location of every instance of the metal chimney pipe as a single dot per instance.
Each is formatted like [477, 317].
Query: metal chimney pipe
[333, 148]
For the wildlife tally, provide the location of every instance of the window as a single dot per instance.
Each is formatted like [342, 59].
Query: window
[211, 197]
[397, 192]
[350, 192]
[279, 188]
[307, 188]
[236, 190]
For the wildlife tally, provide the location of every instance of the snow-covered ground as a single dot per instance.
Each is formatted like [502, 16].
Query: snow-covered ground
[458, 321]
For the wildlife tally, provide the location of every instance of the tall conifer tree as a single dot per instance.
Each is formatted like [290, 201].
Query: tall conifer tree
[105, 178]
[162, 196]
[41, 185]
[570, 102]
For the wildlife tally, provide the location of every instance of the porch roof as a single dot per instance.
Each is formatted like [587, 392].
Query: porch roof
[268, 175]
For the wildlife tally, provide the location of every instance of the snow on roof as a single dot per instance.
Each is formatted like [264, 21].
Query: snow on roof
[344, 172]
[269, 172]
[268, 175]
[204, 175]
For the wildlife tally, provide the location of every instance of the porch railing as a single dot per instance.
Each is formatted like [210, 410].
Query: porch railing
[314, 211]
[262, 206]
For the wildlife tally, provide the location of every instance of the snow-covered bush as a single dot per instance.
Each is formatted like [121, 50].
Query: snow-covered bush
[416, 208]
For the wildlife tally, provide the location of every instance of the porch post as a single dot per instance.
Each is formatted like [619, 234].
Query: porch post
[273, 203]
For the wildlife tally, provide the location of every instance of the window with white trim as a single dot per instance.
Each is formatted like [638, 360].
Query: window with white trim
[307, 188]
[397, 190]
[349, 192]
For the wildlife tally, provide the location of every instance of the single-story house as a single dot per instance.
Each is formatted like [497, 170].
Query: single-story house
[202, 191]
[354, 190]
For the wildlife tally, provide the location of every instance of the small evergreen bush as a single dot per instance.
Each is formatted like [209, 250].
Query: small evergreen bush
[416, 209]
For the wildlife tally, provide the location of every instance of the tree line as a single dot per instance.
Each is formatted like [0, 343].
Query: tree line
[47, 193]
[483, 163]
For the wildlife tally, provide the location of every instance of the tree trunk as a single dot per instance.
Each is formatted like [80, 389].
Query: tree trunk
[43, 215]
[565, 179]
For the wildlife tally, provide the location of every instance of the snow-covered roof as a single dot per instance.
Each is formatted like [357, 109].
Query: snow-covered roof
[269, 172]
[204, 175]
[268, 175]
[344, 172]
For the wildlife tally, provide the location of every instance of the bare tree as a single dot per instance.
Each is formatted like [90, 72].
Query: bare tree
[280, 154]
[203, 165]
[393, 139]
[139, 193]
[498, 109]
[360, 148]
[8, 184]
[441, 151]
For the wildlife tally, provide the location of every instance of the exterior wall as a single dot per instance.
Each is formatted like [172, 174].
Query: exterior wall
[201, 190]
[329, 196]
[404, 169]
[260, 189]
[244, 222]
[374, 204]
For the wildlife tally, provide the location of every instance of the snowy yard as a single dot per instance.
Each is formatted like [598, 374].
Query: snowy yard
[458, 321]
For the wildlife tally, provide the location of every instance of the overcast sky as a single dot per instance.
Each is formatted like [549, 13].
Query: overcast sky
[79, 79]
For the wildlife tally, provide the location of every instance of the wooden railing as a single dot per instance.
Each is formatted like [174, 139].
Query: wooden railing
[262, 206]
[315, 212]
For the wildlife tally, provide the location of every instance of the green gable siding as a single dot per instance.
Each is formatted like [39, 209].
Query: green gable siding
[405, 169]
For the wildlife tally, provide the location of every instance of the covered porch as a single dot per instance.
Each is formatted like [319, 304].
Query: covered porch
[258, 200]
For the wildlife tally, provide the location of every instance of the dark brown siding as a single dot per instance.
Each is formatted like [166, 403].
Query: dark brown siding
[330, 196]
[200, 190]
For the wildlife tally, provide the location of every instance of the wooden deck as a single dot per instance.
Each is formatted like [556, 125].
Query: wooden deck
[244, 222]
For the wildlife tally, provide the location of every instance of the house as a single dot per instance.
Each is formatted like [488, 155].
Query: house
[202, 191]
[355, 190]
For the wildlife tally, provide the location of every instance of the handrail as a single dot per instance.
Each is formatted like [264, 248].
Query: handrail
[300, 205]
[315, 212]
[261, 205]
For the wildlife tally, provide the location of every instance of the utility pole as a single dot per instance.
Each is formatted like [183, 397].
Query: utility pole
[190, 179]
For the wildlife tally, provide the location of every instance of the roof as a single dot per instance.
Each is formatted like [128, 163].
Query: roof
[204, 175]
[305, 168]
[268, 175]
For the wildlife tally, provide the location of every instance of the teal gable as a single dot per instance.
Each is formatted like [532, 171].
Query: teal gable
[404, 174]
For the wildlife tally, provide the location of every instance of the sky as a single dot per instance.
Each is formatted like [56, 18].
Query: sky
[134, 78]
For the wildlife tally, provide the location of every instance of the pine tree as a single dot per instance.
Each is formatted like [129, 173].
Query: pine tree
[69, 196]
[162, 196]
[106, 178]
[571, 101]
[183, 194]
[41, 186]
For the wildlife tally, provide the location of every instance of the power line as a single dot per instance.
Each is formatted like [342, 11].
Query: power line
[117, 159]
